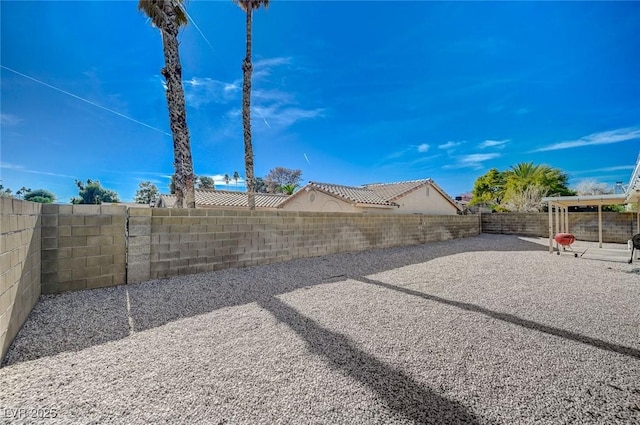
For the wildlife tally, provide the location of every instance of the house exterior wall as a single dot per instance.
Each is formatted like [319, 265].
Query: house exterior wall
[316, 201]
[425, 200]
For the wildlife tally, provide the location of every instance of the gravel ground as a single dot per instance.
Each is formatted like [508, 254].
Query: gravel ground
[485, 330]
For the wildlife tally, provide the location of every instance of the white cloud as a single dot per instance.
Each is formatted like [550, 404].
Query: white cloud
[270, 62]
[473, 161]
[263, 67]
[201, 91]
[602, 138]
[493, 144]
[274, 107]
[449, 145]
[8, 120]
[284, 116]
[423, 148]
[22, 168]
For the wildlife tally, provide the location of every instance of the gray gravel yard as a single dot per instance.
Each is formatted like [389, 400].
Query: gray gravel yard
[485, 330]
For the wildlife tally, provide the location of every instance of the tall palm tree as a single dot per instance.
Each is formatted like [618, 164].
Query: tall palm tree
[248, 6]
[168, 16]
[227, 179]
[236, 177]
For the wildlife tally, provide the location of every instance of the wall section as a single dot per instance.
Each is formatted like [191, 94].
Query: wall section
[171, 242]
[83, 247]
[616, 227]
[19, 265]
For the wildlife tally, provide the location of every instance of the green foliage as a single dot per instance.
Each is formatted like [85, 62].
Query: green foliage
[519, 188]
[92, 192]
[22, 191]
[153, 10]
[205, 182]
[280, 176]
[147, 193]
[261, 186]
[5, 192]
[614, 208]
[39, 195]
[488, 189]
[172, 184]
[236, 177]
[288, 189]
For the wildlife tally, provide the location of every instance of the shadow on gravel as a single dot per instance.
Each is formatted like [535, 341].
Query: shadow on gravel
[510, 318]
[399, 391]
[77, 320]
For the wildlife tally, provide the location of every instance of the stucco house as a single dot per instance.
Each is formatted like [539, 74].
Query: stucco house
[211, 198]
[408, 197]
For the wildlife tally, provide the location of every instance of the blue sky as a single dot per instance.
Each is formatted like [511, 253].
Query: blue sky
[348, 92]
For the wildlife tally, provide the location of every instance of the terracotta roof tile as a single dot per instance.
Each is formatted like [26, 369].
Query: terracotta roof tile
[225, 198]
[360, 195]
[393, 191]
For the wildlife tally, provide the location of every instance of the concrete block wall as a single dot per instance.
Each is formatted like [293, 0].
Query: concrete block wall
[616, 227]
[170, 242]
[83, 247]
[19, 265]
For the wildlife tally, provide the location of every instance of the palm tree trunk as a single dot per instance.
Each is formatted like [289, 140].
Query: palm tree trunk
[172, 72]
[247, 69]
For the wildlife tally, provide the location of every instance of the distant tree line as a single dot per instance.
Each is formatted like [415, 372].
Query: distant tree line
[278, 180]
[38, 195]
[522, 187]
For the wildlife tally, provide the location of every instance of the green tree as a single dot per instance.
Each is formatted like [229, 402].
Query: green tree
[226, 179]
[519, 188]
[172, 184]
[168, 16]
[528, 199]
[147, 193]
[280, 176]
[248, 6]
[5, 192]
[92, 192]
[488, 189]
[205, 182]
[40, 195]
[288, 189]
[526, 174]
[22, 191]
[261, 186]
[236, 177]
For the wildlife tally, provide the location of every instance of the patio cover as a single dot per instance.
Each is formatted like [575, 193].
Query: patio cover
[561, 206]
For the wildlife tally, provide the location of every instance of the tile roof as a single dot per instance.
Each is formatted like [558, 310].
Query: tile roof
[393, 191]
[226, 198]
[360, 195]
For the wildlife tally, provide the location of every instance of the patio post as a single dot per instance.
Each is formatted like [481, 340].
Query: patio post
[550, 227]
[599, 225]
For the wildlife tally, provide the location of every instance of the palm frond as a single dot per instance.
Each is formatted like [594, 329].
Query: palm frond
[247, 5]
[153, 9]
